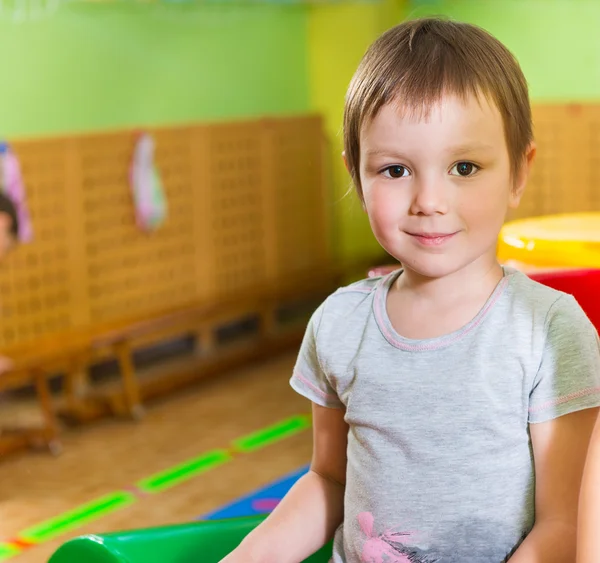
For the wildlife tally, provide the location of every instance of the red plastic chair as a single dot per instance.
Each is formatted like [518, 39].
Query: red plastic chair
[581, 284]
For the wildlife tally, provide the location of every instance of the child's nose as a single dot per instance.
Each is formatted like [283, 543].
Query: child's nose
[430, 198]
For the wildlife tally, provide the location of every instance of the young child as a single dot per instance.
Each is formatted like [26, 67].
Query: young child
[453, 399]
[9, 226]
[9, 230]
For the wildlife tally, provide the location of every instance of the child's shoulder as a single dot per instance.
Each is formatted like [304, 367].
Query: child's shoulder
[532, 295]
[359, 291]
[360, 287]
[354, 298]
[528, 287]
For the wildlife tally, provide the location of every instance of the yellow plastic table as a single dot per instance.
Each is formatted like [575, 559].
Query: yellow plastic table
[570, 240]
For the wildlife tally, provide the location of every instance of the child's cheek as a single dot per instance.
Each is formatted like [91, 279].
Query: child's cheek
[484, 213]
[385, 213]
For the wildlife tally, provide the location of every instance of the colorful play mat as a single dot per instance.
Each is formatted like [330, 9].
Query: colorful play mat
[570, 240]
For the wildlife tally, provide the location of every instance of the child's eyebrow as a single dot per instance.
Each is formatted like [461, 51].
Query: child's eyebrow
[469, 148]
[384, 152]
[458, 149]
[453, 152]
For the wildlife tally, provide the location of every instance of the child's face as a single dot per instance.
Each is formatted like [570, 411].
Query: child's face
[437, 190]
[7, 239]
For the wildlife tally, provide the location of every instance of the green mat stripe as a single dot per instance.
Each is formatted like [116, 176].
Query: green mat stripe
[272, 434]
[77, 517]
[184, 471]
[7, 551]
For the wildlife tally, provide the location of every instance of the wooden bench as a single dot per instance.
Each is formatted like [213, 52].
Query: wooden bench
[201, 320]
[33, 364]
[71, 353]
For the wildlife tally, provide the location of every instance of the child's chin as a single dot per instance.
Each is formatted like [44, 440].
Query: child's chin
[435, 269]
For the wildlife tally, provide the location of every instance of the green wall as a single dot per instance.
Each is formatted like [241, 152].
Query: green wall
[339, 34]
[110, 65]
[557, 42]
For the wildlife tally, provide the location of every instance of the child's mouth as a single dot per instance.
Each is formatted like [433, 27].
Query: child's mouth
[432, 239]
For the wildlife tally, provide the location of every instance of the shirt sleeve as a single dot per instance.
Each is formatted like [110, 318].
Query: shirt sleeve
[568, 378]
[309, 378]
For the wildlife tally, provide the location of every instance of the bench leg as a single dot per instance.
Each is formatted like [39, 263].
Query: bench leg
[76, 385]
[50, 430]
[131, 390]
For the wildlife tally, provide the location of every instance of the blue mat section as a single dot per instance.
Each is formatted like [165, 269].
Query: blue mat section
[261, 501]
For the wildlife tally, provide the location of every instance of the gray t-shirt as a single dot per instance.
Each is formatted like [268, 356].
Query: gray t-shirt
[440, 466]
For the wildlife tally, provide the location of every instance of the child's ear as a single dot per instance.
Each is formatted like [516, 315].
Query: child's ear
[523, 176]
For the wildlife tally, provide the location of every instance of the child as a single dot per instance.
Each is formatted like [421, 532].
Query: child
[453, 399]
[9, 226]
[9, 230]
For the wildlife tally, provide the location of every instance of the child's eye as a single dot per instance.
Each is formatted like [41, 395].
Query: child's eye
[395, 171]
[464, 169]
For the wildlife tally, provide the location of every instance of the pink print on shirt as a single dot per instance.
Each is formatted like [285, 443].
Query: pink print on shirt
[388, 547]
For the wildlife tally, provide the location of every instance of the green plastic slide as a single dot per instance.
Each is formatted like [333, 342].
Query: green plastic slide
[198, 542]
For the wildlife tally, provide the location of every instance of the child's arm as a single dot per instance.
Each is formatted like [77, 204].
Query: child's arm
[308, 516]
[559, 449]
[588, 533]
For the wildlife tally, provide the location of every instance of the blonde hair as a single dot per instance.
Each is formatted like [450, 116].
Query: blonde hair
[417, 62]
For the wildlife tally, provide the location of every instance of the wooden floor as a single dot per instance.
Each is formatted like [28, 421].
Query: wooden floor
[113, 455]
